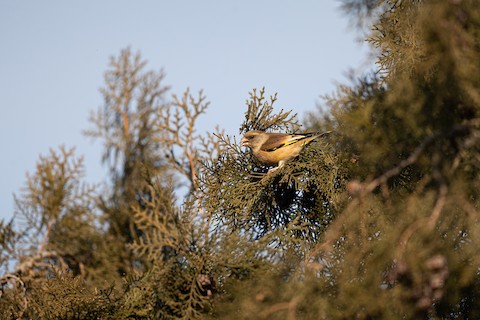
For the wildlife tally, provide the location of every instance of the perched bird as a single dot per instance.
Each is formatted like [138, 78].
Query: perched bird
[274, 149]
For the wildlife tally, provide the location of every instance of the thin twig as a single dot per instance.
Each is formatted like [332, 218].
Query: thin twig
[372, 185]
[290, 306]
[428, 222]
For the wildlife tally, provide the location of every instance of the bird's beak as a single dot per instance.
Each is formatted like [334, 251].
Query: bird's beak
[244, 142]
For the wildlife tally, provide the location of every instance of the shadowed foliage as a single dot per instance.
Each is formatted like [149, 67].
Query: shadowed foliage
[378, 220]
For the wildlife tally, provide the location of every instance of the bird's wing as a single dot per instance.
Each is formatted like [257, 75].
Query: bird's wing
[279, 140]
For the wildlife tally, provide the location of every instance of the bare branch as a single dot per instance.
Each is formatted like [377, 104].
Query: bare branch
[427, 222]
[176, 125]
[367, 187]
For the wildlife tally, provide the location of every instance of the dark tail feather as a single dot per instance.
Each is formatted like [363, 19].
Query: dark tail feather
[318, 134]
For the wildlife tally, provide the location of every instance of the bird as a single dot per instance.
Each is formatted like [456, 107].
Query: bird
[274, 149]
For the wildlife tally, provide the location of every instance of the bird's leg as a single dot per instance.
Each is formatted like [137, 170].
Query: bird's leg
[280, 164]
[272, 170]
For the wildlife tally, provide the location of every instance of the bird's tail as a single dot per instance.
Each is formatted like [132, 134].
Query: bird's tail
[311, 136]
[315, 135]
[321, 134]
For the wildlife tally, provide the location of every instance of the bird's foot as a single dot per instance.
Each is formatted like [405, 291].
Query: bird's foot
[272, 170]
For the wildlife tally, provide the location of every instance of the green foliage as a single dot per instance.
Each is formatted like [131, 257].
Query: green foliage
[66, 297]
[379, 220]
[408, 138]
[260, 116]
[299, 199]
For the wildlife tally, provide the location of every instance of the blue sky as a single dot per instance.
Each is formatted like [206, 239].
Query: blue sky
[54, 54]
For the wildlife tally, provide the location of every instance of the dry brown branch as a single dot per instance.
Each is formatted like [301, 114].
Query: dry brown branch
[37, 260]
[359, 189]
[46, 236]
[290, 306]
[466, 206]
[427, 222]
[367, 187]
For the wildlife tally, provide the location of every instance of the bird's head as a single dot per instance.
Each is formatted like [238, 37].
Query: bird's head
[252, 139]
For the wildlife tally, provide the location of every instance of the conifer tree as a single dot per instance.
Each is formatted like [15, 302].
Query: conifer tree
[133, 99]
[379, 220]
[403, 244]
[56, 232]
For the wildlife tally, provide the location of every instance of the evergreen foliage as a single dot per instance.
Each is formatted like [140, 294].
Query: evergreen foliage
[379, 220]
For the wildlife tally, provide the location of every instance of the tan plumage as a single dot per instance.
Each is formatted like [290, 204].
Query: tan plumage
[273, 149]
